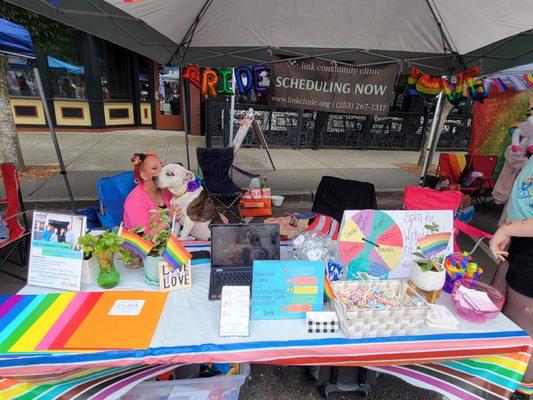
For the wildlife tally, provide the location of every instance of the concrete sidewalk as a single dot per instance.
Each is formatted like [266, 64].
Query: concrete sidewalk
[89, 156]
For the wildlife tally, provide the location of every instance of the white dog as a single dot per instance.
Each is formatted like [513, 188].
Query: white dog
[198, 208]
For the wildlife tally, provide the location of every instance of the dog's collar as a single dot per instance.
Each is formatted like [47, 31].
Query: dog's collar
[181, 194]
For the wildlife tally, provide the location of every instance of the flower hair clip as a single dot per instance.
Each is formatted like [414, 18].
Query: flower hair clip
[136, 159]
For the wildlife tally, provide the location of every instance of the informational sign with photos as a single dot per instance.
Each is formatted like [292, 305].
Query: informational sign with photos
[56, 258]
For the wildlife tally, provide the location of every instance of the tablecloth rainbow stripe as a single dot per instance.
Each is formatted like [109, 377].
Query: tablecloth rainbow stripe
[477, 365]
[87, 383]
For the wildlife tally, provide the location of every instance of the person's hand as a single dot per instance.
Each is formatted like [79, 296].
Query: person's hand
[499, 244]
[177, 212]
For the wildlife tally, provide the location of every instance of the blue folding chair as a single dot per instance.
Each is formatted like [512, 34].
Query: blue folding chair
[112, 192]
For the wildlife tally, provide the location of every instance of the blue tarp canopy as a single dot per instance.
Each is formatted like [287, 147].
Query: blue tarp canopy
[53, 63]
[58, 64]
[15, 40]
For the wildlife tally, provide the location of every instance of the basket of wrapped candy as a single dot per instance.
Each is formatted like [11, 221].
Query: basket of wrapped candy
[373, 308]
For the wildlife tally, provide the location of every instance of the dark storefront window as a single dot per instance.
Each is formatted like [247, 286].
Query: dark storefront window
[20, 79]
[115, 71]
[144, 79]
[66, 71]
[169, 91]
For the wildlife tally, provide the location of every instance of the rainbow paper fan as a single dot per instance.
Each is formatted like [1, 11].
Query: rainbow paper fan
[433, 244]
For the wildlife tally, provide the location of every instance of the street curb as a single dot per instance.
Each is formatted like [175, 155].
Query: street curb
[82, 202]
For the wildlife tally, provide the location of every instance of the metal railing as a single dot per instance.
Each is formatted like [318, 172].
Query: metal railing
[290, 128]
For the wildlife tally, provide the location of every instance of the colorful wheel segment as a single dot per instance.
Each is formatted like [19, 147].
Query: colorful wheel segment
[370, 242]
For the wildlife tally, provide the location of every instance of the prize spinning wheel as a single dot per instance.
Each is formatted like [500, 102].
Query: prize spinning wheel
[370, 242]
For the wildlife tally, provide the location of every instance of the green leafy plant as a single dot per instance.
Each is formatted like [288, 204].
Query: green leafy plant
[88, 243]
[161, 238]
[107, 242]
[428, 264]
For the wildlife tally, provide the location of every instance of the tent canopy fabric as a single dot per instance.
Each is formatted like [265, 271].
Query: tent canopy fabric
[442, 36]
[54, 63]
[15, 40]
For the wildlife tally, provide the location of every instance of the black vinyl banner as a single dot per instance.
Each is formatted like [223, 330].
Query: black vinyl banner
[325, 86]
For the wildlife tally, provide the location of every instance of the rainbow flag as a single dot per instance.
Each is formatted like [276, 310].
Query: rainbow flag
[433, 244]
[328, 289]
[135, 243]
[175, 253]
[528, 78]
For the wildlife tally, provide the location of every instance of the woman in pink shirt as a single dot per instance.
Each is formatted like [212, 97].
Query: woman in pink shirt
[146, 196]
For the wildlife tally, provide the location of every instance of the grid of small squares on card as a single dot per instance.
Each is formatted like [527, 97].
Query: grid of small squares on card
[322, 322]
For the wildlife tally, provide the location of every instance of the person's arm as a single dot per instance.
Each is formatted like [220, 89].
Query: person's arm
[135, 212]
[500, 240]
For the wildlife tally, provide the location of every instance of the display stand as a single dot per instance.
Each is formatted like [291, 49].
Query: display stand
[248, 120]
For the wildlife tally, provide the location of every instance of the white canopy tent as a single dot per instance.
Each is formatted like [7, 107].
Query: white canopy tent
[440, 36]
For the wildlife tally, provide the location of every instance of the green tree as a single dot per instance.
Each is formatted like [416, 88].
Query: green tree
[48, 36]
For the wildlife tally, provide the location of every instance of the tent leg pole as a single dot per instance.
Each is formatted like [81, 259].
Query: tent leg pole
[62, 169]
[185, 97]
[432, 136]
[232, 108]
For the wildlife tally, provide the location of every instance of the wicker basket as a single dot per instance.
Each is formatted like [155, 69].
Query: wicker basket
[365, 322]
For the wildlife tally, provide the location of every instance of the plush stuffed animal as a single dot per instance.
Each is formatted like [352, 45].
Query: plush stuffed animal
[524, 130]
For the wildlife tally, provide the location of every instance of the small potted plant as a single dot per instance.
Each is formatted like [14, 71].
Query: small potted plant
[129, 258]
[160, 239]
[427, 274]
[103, 247]
[90, 266]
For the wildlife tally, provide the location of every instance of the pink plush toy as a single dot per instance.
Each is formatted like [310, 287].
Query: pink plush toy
[525, 130]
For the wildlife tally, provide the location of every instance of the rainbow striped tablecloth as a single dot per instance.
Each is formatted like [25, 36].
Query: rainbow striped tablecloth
[475, 362]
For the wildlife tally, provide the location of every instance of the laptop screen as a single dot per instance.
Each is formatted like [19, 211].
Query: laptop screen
[239, 245]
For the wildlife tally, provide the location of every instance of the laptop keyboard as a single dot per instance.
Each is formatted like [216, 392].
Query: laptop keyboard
[219, 279]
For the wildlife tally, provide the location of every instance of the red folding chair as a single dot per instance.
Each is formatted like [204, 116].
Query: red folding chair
[451, 166]
[420, 198]
[482, 187]
[16, 220]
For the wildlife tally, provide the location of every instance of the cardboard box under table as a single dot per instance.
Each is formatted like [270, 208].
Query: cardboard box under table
[457, 363]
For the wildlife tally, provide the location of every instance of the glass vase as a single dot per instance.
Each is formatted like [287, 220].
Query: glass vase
[151, 270]
[108, 276]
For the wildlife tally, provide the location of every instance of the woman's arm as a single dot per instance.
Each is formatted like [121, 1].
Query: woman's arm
[500, 240]
[523, 228]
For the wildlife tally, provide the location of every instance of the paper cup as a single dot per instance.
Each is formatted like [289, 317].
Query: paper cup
[277, 201]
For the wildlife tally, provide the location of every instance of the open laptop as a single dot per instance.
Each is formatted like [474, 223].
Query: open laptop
[234, 247]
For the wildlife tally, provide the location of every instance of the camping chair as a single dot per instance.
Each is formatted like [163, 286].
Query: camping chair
[216, 166]
[15, 213]
[112, 192]
[451, 167]
[420, 198]
[335, 195]
[481, 189]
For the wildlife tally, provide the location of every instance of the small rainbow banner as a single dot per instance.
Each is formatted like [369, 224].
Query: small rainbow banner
[135, 243]
[328, 289]
[175, 253]
[433, 244]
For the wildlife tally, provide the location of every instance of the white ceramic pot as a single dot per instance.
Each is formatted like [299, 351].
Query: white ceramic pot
[89, 270]
[428, 281]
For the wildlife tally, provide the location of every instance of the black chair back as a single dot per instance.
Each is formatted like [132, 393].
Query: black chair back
[335, 195]
[215, 165]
